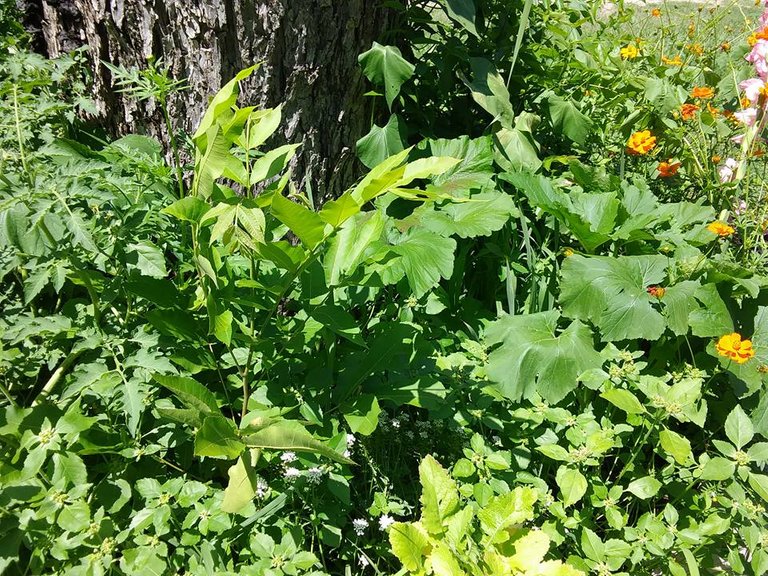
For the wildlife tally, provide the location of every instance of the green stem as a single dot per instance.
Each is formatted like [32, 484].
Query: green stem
[56, 376]
[20, 140]
[174, 148]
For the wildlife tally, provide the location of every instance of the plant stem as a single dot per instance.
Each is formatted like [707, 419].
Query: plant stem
[18, 133]
[174, 148]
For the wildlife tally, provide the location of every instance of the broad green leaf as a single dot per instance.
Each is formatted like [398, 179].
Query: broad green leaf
[272, 163]
[439, 495]
[644, 487]
[222, 327]
[189, 209]
[572, 484]
[713, 318]
[287, 435]
[410, 542]
[515, 150]
[611, 293]
[339, 321]
[567, 119]
[349, 245]
[426, 167]
[679, 302]
[222, 101]
[241, 487]
[592, 546]
[534, 359]
[490, 91]
[463, 12]
[147, 258]
[625, 400]
[718, 468]
[381, 178]
[262, 124]
[190, 392]
[381, 142]
[363, 415]
[425, 257]
[739, 428]
[443, 561]
[336, 212]
[515, 507]
[306, 224]
[530, 550]
[475, 171]
[759, 483]
[133, 396]
[218, 438]
[679, 447]
[385, 66]
[481, 215]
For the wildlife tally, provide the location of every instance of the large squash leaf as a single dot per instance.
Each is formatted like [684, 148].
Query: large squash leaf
[533, 358]
[612, 294]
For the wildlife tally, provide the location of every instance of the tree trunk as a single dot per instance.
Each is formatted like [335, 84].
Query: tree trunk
[307, 48]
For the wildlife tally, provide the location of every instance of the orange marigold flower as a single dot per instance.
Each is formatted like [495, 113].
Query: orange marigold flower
[629, 52]
[716, 159]
[734, 348]
[720, 228]
[656, 291]
[725, 46]
[641, 143]
[688, 111]
[703, 92]
[656, 13]
[696, 49]
[676, 61]
[668, 169]
[745, 103]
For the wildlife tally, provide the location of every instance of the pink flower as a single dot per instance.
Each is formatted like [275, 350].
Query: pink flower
[739, 207]
[746, 116]
[758, 57]
[752, 88]
[728, 170]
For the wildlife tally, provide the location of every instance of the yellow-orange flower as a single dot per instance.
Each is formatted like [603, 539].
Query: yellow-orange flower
[725, 46]
[656, 13]
[720, 228]
[703, 92]
[629, 52]
[641, 143]
[696, 49]
[676, 61]
[656, 291]
[688, 111]
[712, 110]
[733, 347]
[716, 159]
[668, 169]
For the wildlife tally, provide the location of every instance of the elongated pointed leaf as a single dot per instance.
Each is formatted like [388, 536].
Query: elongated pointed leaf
[287, 435]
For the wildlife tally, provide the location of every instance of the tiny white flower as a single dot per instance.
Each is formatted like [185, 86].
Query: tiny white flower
[291, 473]
[287, 457]
[385, 521]
[261, 488]
[315, 474]
[395, 423]
[359, 525]
[363, 561]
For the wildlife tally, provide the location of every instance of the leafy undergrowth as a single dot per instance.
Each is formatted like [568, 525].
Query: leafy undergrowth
[546, 300]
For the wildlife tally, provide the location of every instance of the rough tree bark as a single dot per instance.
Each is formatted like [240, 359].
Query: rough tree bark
[308, 50]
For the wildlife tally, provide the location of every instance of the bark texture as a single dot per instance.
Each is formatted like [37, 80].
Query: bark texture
[308, 50]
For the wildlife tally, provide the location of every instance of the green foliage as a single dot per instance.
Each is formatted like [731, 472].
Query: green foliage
[225, 379]
[458, 537]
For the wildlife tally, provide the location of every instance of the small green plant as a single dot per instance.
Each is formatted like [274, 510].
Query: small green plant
[461, 537]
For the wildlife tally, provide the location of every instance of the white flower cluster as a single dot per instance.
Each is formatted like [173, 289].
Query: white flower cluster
[359, 525]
